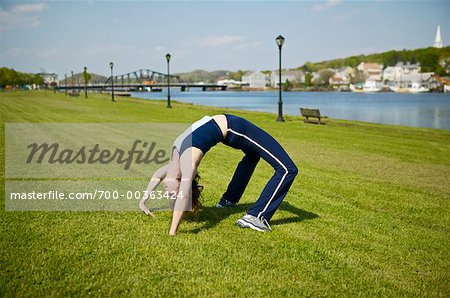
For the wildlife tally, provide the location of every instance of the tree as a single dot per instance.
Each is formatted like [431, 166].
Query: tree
[324, 77]
[287, 86]
[237, 76]
[308, 67]
[86, 77]
[358, 77]
[308, 79]
[37, 80]
[10, 77]
[429, 62]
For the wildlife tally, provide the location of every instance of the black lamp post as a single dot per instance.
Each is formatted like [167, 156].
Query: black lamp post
[280, 42]
[72, 80]
[65, 83]
[168, 80]
[112, 81]
[85, 81]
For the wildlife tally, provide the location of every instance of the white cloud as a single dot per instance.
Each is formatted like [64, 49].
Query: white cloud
[218, 41]
[326, 5]
[246, 45]
[346, 15]
[160, 49]
[22, 15]
[94, 50]
[28, 8]
[18, 52]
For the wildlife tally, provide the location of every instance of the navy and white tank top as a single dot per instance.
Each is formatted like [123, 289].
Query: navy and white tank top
[202, 134]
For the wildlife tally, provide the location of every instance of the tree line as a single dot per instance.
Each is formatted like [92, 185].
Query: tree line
[10, 77]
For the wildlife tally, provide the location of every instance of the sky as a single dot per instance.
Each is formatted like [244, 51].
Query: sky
[61, 36]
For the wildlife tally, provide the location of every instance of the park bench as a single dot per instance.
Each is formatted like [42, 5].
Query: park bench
[73, 93]
[313, 113]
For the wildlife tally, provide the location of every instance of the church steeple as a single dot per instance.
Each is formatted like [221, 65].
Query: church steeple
[438, 40]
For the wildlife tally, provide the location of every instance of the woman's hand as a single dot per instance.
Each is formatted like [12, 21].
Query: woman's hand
[149, 213]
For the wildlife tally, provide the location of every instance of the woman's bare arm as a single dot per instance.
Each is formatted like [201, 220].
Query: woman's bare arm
[188, 164]
[158, 175]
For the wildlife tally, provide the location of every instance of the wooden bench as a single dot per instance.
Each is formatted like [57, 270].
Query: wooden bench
[313, 113]
[73, 93]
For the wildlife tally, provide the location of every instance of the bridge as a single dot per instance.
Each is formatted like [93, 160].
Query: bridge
[142, 80]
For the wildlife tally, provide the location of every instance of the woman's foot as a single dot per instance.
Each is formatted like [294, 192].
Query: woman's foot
[225, 204]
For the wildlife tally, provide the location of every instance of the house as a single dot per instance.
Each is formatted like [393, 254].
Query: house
[292, 75]
[408, 67]
[372, 71]
[392, 73]
[424, 79]
[342, 76]
[338, 80]
[404, 74]
[345, 71]
[50, 79]
[255, 79]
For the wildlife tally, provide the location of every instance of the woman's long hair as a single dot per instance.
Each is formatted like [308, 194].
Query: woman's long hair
[196, 194]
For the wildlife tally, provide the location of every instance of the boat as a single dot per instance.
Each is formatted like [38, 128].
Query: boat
[122, 93]
[367, 87]
[415, 87]
[356, 89]
[153, 89]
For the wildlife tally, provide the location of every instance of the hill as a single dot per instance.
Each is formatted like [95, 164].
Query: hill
[203, 76]
[95, 78]
[430, 59]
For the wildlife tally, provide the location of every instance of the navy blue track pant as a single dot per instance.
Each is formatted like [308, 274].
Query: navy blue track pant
[256, 144]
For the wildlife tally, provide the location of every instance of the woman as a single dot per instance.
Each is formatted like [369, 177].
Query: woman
[180, 175]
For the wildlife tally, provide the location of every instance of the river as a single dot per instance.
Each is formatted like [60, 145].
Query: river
[420, 110]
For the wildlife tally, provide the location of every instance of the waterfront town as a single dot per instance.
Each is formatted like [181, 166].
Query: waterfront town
[404, 77]
[407, 76]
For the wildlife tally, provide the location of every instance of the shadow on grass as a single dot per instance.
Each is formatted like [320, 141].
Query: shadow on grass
[212, 216]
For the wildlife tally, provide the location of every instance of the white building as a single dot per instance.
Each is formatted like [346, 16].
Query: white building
[392, 73]
[292, 75]
[438, 40]
[50, 79]
[255, 79]
[408, 67]
[421, 79]
[397, 72]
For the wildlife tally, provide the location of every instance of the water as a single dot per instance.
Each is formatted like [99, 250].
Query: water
[420, 110]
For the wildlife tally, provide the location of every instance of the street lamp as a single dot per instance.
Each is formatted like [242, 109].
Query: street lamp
[72, 79]
[65, 83]
[112, 81]
[168, 81]
[85, 81]
[280, 42]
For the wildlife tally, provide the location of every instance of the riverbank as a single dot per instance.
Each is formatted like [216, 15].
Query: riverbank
[418, 110]
[367, 215]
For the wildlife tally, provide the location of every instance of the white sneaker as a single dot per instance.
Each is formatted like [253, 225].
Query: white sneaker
[252, 222]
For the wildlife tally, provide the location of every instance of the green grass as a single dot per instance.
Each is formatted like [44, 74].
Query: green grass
[368, 215]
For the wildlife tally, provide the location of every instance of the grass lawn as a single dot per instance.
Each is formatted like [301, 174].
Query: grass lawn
[368, 215]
